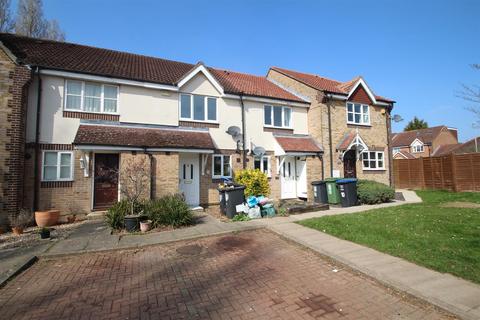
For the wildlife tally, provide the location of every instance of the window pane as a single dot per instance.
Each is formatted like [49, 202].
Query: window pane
[373, 164]
[226, 166]
[65, 172]
[350, 107]
[93, 90]
[50, 159]
[256, 164]
[267, 115]
[65, 159]
[217, 166]
[365, 163]
[350, 117]
[265, 165]
[380, 155]
[372, 155]
[198, 107]
[380, 164]
[365, 118]
[277, 116]
[212, 109]
[110, 92]
[50, 173]
[92, 104]
[365, 155]
[74, 87]
[287, 114]
[110, 105]
[74, 102]
[185, 106]
[357, 108]
[365, 108]
[357, 118]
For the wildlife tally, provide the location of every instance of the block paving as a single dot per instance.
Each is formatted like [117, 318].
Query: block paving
[247, 275]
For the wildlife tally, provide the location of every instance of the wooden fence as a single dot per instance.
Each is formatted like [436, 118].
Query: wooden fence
[460, 172]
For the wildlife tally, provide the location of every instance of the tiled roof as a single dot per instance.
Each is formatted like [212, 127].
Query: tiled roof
[347, 139]
[125, 136]
[72, 57]
[298, 144]
[324, 84]
[425, 135]
[403, 155]
[445, 149]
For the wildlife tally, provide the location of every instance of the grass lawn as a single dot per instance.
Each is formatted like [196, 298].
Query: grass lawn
[429, 234]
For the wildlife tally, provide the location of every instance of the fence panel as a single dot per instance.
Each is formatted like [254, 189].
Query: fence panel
[453, 172]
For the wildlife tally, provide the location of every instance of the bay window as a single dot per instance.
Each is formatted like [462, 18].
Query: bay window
[221, 166]
[262, 164]
[90, 97]
[277, 116]
[57, 166]
[198, 108]
[373, 160]
[358, 113]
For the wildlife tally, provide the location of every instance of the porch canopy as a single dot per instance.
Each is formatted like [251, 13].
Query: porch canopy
[296, 145]
[352, 141]
[135, 138]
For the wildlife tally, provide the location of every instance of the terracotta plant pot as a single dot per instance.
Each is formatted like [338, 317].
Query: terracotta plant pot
[145, 226]
[47, 218]
[17, 230]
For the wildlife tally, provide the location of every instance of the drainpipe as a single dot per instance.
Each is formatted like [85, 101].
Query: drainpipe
[329, 107]
[389, 132]
[244, 152]
[36, 188]
[152, 168]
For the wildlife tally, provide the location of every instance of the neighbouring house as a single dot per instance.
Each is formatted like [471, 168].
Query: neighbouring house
[471, 146]
[74, 116]
[423, 142]
[350, 121]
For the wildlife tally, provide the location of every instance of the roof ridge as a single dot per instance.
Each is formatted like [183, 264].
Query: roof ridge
[306, 73]
[238, 72]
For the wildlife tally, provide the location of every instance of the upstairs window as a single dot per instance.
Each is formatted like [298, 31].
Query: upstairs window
[277, 116]
[221, 166]
[90, 97]
[57, 166]
[373, 160]
[396, 150]
[417, 148]
[358, 113]
[198, 108]
[262, 164]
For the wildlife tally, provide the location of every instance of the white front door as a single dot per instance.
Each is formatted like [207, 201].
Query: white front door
[287, 178]
[301, 175]
[189, 178]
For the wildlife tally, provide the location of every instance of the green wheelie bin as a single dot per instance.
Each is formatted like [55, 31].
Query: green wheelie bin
[332, 190]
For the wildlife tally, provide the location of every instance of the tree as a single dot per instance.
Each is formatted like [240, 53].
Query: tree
[31, 23]
[134, 180]
[6, 21]
[471, 93]
[416, 124]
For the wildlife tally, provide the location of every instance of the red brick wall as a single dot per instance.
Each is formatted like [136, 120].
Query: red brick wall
[360, 95]
[14, 80]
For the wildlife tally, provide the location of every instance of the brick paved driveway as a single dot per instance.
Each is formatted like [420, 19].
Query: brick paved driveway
[251, 275]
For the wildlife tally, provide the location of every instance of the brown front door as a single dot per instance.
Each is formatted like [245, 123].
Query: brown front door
[105, 182]
[350, 164]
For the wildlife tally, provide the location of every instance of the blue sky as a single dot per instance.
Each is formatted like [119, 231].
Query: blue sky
[416, 52]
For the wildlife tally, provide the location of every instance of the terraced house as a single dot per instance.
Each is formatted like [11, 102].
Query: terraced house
[73, 117]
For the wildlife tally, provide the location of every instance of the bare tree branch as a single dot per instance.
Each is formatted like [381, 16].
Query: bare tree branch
[471, 93]
[30, 22]
[6, 22]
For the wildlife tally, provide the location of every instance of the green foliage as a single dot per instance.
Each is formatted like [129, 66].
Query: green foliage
[119, 210]
[169, 210]
[372, 192]
[428, 233]
[416, 124]
[241, 217]
[255, 182]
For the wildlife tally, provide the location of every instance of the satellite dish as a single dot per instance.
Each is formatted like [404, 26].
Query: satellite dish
[234, 131]
[397, 118]
[259, 151]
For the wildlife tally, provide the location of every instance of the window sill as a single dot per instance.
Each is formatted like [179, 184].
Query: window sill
[359, 124]
[274, 127]
[382, 169]
[56, 183]
[92, 112]
[199, 121]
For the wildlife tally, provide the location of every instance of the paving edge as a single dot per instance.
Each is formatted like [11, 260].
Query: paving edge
[386, 282]
[47, 256]
[27, 264]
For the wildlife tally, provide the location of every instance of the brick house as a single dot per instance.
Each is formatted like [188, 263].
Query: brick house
[423, 142]
[348, 119]
[76, 115]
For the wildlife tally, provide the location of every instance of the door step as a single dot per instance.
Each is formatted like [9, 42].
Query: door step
[96, 215]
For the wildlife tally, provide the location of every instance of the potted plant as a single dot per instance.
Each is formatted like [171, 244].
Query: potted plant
[145, 225]
[21, 221]
[47, 218]
[44, 233]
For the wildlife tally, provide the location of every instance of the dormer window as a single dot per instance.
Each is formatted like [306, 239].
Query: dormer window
[358, 113]
[417, 146]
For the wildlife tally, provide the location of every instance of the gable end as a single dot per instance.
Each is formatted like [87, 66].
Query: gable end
[360, 95]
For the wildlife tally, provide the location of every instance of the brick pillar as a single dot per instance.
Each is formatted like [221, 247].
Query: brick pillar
[14, 80]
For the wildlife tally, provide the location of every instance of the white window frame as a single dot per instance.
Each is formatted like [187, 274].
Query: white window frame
[191, 119]
[377, 168]
[272, 125]
[418, 148]
[59, 153]
[396, 150]
[269, 170]
[362, 123]
[221, 166]
[82, 97]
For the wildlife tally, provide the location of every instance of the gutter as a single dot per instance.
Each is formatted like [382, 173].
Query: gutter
[36, 170]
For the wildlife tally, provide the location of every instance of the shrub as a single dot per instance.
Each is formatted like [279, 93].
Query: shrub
[119, 210]
[241, 217]
[169, 210]
[22, 220]
[372, 192]
[255, 182]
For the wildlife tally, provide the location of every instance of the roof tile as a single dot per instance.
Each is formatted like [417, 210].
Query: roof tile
[298, 144]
